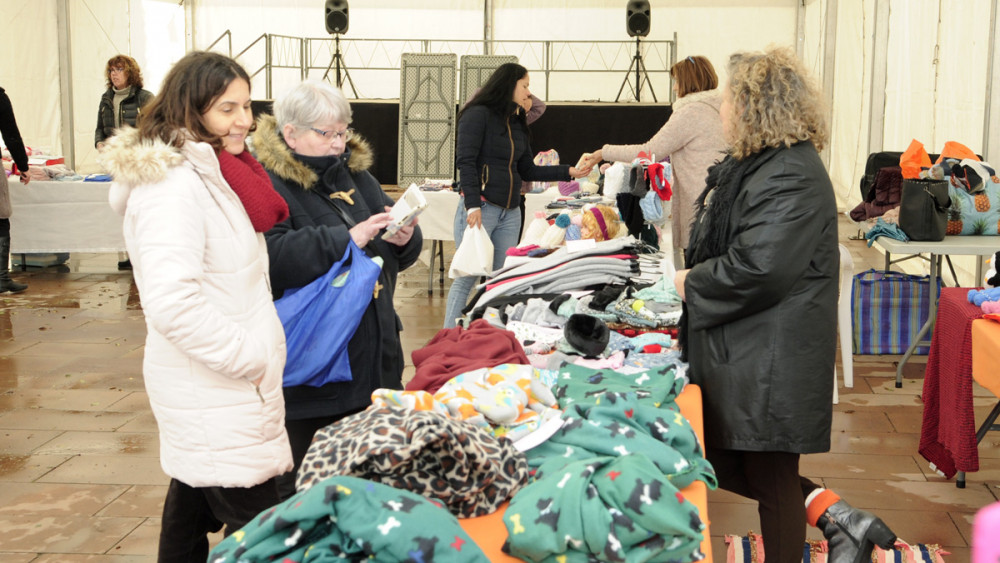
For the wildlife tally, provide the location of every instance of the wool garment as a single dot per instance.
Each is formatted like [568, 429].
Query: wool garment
[605, 509]
[457, 464]
[457, 350]
[353, 520]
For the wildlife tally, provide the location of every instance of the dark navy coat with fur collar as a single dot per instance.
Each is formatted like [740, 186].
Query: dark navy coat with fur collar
[313, 238]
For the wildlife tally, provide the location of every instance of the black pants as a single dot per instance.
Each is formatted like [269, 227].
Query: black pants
[191, 513]
[300, 435]
[773, 480]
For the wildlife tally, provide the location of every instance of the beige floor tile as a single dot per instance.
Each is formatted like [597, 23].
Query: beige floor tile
[16, 469]
[23, 442]
[63, 534]
[131, 470]
[142, 444]
[142, 423]
[57, 499]
[10, 557]
[139, 501]
[49, 419]
[861, 466]
[142, 541]
[111, 558]
[909, 495]
[103, 350]
[58, 399]
[873, 443]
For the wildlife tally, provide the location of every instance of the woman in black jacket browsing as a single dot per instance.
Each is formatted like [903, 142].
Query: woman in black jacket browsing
[493, 156]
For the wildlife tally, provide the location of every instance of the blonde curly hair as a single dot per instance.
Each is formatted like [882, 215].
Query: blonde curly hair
[774, 102]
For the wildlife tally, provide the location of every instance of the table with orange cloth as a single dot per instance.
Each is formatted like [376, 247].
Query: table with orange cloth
[490, 533]
[948, 430]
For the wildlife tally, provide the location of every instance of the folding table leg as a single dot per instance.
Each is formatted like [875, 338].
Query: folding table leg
[980, 434]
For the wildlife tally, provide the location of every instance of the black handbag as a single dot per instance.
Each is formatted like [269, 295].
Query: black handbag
[923, 209]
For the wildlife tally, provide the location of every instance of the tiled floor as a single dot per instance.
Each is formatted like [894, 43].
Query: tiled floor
[80, 478]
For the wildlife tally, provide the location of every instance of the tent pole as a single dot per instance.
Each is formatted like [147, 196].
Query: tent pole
[880, 68]
[829, 69]
[65, 84]
[991, 119]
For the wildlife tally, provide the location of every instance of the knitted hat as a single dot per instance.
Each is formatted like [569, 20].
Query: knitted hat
[586, 334]
[556, 233]
[536, 228]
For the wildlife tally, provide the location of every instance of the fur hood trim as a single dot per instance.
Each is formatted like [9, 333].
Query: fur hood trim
[272, 152]
[709, 97]
[135, 162]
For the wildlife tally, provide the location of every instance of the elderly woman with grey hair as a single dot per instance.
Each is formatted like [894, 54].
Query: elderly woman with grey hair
[320, 167]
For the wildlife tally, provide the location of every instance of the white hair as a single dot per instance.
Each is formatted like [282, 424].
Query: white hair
[311, 102]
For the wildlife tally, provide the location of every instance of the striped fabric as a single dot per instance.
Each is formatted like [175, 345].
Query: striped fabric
[888, 309]
[750, 549]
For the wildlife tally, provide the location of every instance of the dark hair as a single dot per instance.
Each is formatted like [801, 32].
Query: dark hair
[498, 92]
[694, 74]
[133, 76]
[187, 92]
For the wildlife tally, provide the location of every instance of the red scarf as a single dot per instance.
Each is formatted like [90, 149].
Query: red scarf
[253, 186]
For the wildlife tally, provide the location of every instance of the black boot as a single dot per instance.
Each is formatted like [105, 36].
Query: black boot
[7, 285]
[852, 534]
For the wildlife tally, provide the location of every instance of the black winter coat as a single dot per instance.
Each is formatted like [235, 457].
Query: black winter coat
[493, 156]
[11, 134]
[762, 317]
[129, 111]
[312, 239]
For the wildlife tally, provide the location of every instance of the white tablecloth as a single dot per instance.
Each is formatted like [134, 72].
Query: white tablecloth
[437, 222]
[63, 217]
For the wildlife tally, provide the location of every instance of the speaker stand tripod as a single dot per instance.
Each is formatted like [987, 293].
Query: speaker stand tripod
[337, 62]
[640, 76]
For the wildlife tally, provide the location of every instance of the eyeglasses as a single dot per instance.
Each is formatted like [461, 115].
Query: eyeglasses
[117, 69]
[346, 134]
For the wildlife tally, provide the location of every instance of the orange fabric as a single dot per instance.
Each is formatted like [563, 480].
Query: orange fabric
[489, 532]
[986, 354]
[914, 159]
[956, 150]
[819, 505]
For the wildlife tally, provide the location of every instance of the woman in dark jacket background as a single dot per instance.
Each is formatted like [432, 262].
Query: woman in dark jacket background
[123, 100]
[759, 327]
[493, 155]
[12, 138]
[321, 169]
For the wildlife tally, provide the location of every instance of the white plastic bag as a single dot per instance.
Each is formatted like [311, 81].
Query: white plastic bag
[474, 257]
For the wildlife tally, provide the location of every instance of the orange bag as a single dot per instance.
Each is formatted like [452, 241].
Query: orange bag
[957, 151]
[914, 159]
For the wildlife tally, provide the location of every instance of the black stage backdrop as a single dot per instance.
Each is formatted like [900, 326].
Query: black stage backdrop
[571, 129]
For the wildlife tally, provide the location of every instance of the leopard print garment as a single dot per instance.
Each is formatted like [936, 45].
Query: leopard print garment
[460, 465]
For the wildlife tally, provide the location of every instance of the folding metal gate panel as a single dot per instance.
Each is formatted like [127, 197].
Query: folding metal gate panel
[475, 70]
[426, 117]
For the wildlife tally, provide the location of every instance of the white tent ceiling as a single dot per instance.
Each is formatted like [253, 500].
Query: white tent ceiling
[928, 67]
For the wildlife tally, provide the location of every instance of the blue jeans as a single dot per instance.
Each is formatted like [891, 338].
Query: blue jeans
[504, 228]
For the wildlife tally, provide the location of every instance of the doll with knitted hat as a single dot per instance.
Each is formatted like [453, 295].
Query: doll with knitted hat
[599, 222]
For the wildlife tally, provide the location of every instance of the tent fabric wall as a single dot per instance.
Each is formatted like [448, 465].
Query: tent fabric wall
[935, 79]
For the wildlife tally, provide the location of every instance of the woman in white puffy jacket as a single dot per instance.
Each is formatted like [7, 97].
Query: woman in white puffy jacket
[195, 205]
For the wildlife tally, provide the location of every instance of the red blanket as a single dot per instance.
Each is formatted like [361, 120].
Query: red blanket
[948, 431]
[454, 351]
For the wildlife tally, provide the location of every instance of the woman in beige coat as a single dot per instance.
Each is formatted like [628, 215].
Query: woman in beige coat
[692, 138]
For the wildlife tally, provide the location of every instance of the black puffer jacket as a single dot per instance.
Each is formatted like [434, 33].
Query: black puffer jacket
[762, 317]
[493, 156]
[312, 239]
[129, 111]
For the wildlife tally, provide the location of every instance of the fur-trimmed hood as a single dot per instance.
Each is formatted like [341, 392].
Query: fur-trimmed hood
[710, 97]
[132, 162]
[272, 152]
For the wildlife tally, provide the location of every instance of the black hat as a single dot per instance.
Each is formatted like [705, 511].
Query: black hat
[587, 334]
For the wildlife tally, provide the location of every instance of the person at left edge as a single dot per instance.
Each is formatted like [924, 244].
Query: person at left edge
[12, 137]
[195, 207]
[320, 166]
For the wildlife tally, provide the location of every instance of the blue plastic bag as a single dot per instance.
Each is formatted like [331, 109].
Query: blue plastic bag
[320, 319]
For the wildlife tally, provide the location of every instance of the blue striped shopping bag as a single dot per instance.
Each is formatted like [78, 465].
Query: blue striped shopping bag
[889, 308]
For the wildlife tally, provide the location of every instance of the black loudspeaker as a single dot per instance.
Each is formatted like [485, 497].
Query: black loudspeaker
[637, 18]
[336, 16]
